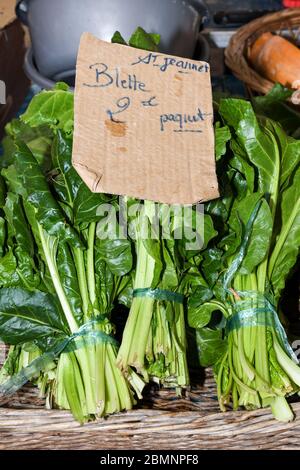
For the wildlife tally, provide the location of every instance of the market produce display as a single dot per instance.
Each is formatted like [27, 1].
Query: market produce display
[61, 280]
[246, 267]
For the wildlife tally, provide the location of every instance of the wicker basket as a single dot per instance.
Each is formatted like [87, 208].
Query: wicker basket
[286, 22]
[162, 422]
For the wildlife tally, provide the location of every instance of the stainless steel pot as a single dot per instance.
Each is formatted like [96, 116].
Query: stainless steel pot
[202, 52]
[56, 26]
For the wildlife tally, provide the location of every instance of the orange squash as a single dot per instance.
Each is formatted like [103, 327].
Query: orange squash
[276, 58]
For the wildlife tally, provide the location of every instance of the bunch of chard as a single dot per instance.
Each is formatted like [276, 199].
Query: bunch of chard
[59, 280]
[236, 311]
[154, 339]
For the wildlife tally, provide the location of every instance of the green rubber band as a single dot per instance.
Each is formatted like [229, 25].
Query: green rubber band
[85, 336]
[159, 294]
[91, 338]
[264, 313]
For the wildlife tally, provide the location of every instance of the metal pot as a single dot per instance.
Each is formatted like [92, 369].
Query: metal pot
[56, 26]
[202, 52]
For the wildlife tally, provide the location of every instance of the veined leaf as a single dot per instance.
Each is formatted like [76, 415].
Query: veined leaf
[116, 253]
[222, 136]
[287, 245]
[8, 270]
[48, 212]
[274, 105]
[290, 159]
[211, 346]
[200, 316]
[52, 108]
[37, 139]
[143, 40]
[18, 226]
[260, 145]
[261, 231]
[13, 180]
[26, 316]
[70, 188]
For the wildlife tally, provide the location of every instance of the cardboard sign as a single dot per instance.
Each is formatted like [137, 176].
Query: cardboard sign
[7, 12]
[143, 124]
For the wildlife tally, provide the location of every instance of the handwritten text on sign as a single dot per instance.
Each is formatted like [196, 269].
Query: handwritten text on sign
[143, 124]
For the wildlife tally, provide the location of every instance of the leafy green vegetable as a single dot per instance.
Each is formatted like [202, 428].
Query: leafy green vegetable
[52, 108]
[27, 316]
[49, 243]
[118, 38]
[257, 246]
[154, 338]
[275, 106]
[139, 39]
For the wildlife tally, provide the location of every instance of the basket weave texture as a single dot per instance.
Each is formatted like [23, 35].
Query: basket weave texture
[285, 22]
[162, 422]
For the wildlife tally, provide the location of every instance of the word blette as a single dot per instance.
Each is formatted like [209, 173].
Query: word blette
[105, 77]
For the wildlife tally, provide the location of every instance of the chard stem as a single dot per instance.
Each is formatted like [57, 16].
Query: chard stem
[90, 265]
[50, 254]
[83, 287]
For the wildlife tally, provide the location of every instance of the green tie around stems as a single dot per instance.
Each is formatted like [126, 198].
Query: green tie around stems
[86, 335]
[159, 294]
[263, 314]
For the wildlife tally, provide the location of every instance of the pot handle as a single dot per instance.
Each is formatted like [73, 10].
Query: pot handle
[203, 10]
[22, 11]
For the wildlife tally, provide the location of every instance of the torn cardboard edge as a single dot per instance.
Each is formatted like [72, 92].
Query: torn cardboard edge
[147, 160]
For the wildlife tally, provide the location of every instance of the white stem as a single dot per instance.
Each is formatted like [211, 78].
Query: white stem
[45, 239]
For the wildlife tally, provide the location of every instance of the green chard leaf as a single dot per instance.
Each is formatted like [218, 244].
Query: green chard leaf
[211, 346]
[17, 223]
[116, 253]
[260, 145]
[52, 108]
[37, 139]
[286, 250]
[222, 136]
[70, 188]
[261, 231]
[274, 105]
[142, 40]
[48, 212]
[118, 38]
[26, 316]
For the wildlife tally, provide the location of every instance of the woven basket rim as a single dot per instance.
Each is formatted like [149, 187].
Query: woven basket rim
[236, 52]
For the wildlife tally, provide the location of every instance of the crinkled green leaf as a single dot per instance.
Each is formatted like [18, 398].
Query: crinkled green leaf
[275, 106]
[48, 212]
[261, 231]
[116, 253]
[26, 316]
[38, 140]
[260, 144]
[142, 40]
[287, 245]
[211, 346]
[70, 188]
[53, 108]
[17, 224]
[222, 136]
[118, 38]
